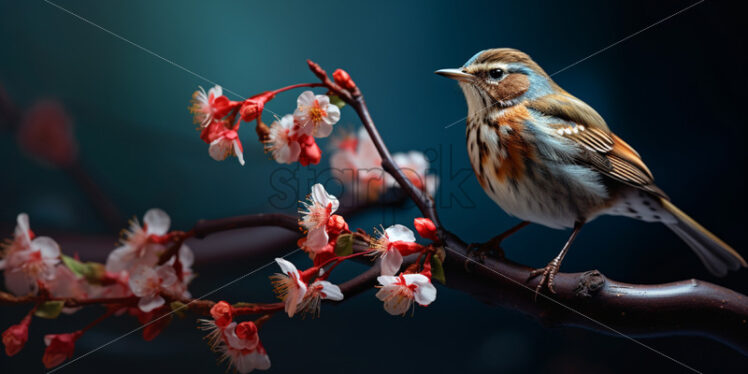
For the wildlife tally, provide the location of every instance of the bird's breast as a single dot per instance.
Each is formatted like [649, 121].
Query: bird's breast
[522, 165]
[499, 145]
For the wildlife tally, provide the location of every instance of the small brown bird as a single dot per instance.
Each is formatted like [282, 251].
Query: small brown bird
[546, 157]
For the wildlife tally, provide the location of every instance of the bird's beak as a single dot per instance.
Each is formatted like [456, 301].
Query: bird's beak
[456, 74]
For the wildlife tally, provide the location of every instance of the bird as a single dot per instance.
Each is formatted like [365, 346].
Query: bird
[546, 157]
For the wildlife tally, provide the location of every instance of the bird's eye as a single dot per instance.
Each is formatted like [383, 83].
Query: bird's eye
[496, 73]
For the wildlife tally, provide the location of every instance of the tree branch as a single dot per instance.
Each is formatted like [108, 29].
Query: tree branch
[589, 299]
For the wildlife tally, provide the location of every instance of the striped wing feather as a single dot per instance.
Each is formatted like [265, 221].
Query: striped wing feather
[605, 151]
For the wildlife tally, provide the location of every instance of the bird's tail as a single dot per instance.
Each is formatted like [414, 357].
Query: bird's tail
[716, 255]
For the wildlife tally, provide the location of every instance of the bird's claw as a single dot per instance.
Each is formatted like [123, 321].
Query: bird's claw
[547, 275]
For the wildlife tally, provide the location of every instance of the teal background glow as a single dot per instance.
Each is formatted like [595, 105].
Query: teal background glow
[675, 92]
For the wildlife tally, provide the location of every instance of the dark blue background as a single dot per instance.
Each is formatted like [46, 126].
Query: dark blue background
[675, 92]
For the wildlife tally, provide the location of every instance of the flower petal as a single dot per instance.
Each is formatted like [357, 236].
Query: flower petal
[305, 99]
[19, 283]
[167, 275]
[317, 239]
[399, 233]
[286, 266]
[219, 149]
[119, 259]
[150, 302]
[387, 280]
[23, 227]
[391, 262]
[323, 130]
[330, 291]
[142, 279]
[238, 151]
[157, 221]
[47, 246]
[425, 293]
[333, 114]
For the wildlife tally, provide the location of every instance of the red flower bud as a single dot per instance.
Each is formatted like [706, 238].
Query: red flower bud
[15, 337]
[222, 106]
[246, 330]
[60, 347]
[46, 133]
[336, 224]
[252, 108]
[222, 313]
[426, 228]
[310, 152]
[343, 79]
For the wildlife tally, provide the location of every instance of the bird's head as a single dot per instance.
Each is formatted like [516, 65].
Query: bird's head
[500, 77]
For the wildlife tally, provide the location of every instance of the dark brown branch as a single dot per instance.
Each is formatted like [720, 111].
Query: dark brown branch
[588, 300]
[204, 228]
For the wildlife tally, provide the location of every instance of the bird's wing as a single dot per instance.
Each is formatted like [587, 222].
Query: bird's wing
[601, 149]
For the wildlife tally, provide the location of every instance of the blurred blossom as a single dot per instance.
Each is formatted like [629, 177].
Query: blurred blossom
[46, 134]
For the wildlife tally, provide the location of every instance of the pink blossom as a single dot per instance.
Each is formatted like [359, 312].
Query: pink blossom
[227, 144]
[315, 115]
[415, 167]
[209, 106]
[400, 292]
[357, 164]
[316, 292]
[46, 133]
[222, 313]
[315, 215]
[289, 286]
[392, 244]
[282, 142]
[15, 337]
[29, 261]
[137, 247]
[148, 283]
[60, 347]
[238, 343]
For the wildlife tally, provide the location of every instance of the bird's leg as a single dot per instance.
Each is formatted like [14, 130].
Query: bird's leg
[548, 273]
[480, 250]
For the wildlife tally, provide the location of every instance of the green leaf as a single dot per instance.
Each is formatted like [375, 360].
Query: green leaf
[337, 101]
[344, 245]
[50, 309]
[76, 266]
[437, 270]
[92, 271]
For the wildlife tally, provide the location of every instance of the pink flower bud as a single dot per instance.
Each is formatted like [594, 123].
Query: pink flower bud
[15, 337]
[252, 107]
[222, 106]
[46, 133]
[222, 313]
[426, 228]
[343, 79]
[247, 331]
[310, 152]
[60, 347]
[336, 224]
